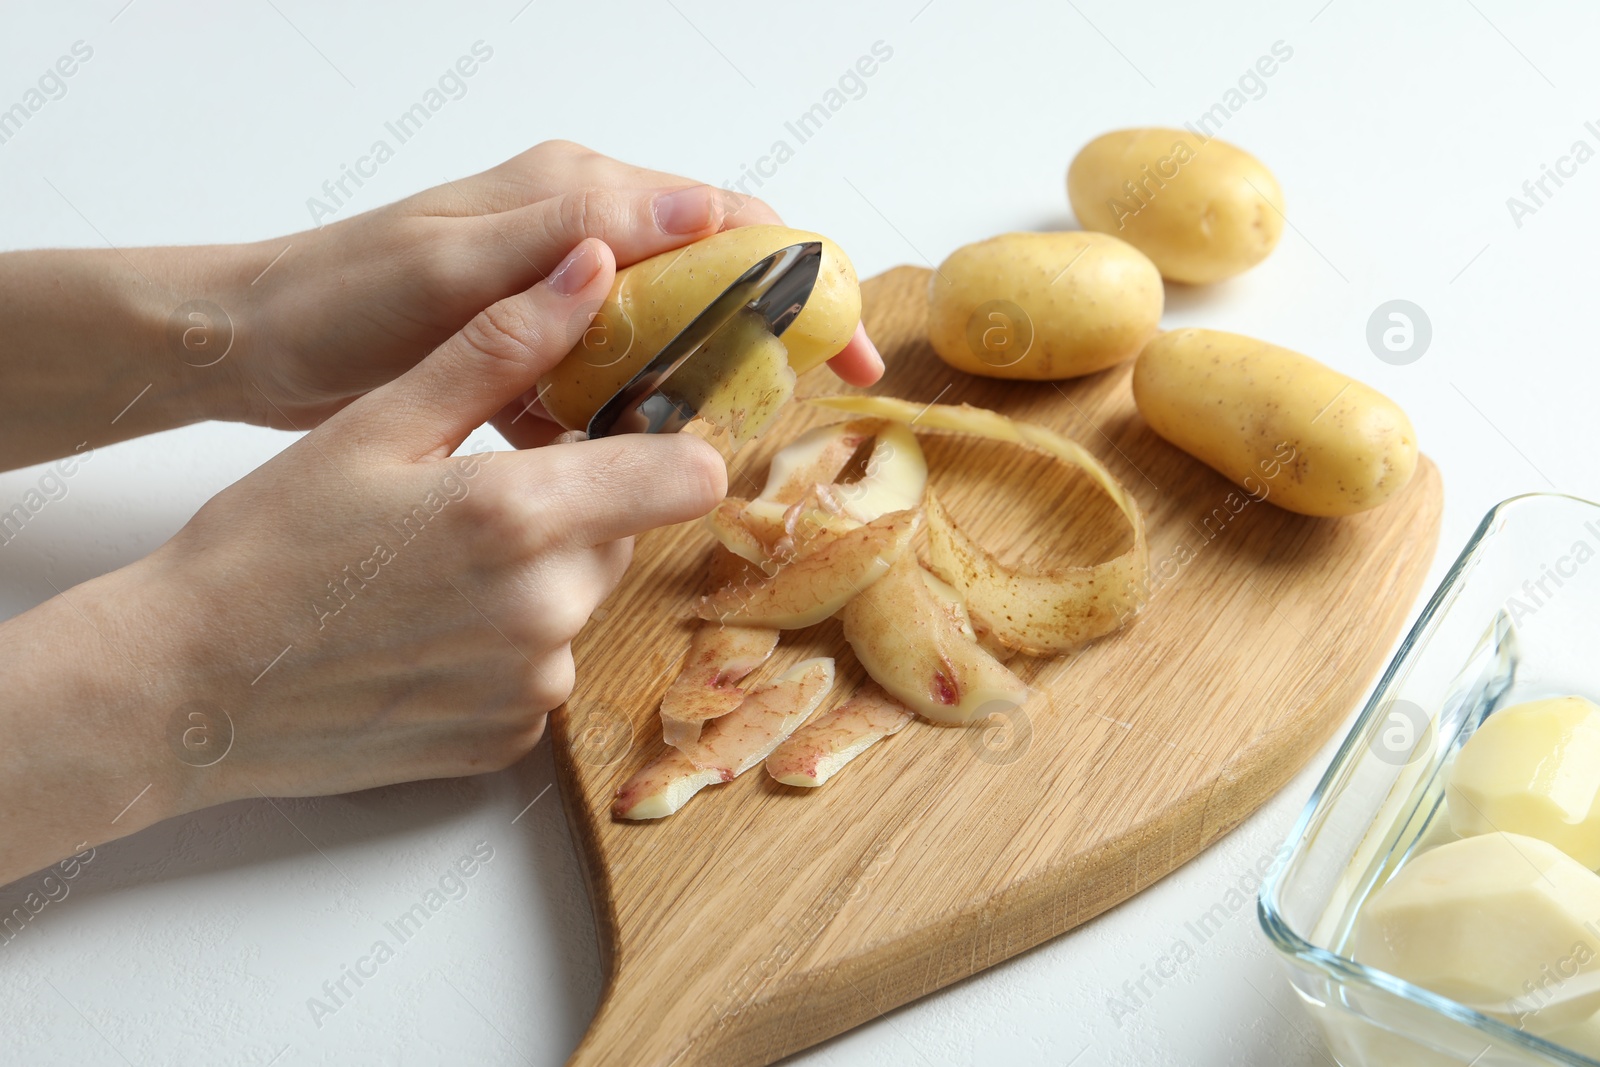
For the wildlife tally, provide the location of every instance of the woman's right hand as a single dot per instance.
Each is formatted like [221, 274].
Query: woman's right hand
[423, 605]
[362, 609]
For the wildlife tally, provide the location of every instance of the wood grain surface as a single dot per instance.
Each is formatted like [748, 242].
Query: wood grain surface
[762, 919]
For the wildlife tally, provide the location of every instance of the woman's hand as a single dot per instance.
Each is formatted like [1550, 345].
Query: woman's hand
[99, 346]
[362, 609]
[357, 302]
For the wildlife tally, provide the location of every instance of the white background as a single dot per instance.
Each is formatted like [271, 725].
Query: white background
[1397, 132]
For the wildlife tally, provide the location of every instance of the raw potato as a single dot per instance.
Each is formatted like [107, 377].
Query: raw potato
[1200, 208]
[1486, 919]
[653, 300]
[1533, 769]
[1280, 425]
[741, 376]
[1040, 306]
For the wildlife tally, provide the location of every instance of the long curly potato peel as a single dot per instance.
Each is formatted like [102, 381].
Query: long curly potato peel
[1039, 612]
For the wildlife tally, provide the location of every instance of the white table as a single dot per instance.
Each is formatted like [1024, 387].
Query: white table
[1398, 136]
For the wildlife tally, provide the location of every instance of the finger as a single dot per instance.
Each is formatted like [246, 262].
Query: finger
[525, 424]
[557, 595]
[548, 684]
[488, 363]
[615, 556]
[859, 363]
[522, 245]
[615, 487]
[555, 168]
[742, 209]
[597, 570]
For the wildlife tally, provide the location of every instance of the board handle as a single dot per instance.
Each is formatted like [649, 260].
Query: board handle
[629, 1030]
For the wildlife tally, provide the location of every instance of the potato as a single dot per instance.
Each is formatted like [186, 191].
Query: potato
[1491, 920]
[740, 379]
[1534, 769]
[653, 300]
[1280, 425]
[1042, 305]
[1200, 208]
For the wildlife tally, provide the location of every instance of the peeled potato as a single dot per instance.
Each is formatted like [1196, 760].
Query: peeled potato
[1487, 920]
[653, 300]
[740, 378]
[1533, 769]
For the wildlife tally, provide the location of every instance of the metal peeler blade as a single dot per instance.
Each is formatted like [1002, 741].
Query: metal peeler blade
[776, 288]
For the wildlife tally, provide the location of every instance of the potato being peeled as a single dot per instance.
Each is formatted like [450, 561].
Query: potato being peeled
[653, 300]
[740, 378]
[1040, 306]
[1280, 425]
[1200, 208]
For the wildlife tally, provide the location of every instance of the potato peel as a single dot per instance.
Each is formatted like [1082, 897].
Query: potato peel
[812, 586]
[803, 497]
[765, 532]
[719, 657]
[819, 749]
[818, 455]
[911, 632]
[1039, 612]
[729, 745]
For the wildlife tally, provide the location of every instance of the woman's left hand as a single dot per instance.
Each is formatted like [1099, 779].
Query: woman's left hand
[358, 302]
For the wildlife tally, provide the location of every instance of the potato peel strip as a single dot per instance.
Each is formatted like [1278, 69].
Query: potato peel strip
[1043, 612]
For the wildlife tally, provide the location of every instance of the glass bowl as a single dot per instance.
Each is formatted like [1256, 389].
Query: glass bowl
[1516, 618]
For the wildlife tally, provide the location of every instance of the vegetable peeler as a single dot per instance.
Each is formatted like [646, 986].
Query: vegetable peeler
[776, 288]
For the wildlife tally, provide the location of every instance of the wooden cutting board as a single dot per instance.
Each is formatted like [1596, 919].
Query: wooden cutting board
[762, 919]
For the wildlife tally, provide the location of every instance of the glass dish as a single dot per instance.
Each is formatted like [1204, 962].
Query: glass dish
[1516, 618]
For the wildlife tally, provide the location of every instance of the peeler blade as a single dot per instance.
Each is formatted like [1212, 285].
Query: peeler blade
[776, 288]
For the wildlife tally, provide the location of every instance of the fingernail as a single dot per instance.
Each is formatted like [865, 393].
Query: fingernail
[683, 210]
[577, 270]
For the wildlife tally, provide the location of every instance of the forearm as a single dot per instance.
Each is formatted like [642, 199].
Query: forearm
[83, 758]
[94, 348]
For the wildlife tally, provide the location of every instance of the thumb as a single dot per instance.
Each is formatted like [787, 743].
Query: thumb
[491, 361]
